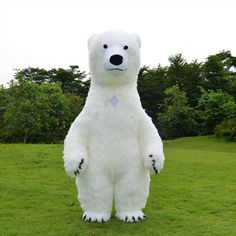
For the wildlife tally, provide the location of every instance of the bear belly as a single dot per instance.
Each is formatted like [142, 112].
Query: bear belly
[114, 145]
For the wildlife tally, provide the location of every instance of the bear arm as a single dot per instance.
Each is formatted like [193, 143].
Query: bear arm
[75, 149]
[149, 136]
[76, 141]
[151, 147]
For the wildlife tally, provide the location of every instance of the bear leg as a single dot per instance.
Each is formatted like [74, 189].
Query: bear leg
[96, 196]
[131, 194]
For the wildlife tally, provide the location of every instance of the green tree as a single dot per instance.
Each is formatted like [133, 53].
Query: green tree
[35, 113]
[219, 72]
[151, 86]
[72, 80]
[213, 108]
[177, 118]
[74, 107]
[4, 103]
[187, 76]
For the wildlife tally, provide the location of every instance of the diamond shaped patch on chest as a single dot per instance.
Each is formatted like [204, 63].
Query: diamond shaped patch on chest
[114, 101]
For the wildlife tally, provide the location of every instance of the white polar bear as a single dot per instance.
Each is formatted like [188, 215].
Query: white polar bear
[113, 145]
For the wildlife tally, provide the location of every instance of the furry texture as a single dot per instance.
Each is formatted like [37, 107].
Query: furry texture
[112, 145]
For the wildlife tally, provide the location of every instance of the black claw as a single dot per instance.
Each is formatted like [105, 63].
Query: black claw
[126, 218]
[144, 217]
[139, 218]
[155, 169]
[75, 172]
[153, 161]
[133, 218]
[89, 219]
[81, 162]
[84, 218]
[103, 221]
[150, 155]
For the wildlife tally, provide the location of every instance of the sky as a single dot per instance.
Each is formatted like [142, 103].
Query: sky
[54, 33]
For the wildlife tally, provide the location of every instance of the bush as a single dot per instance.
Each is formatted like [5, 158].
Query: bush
[177, 118]
[34, 113]
[75, 104]
[227, 129]
[213, 108]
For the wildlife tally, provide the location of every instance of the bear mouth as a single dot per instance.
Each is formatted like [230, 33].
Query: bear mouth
[118, 69]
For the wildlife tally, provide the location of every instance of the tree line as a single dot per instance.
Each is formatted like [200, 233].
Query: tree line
[183, 99]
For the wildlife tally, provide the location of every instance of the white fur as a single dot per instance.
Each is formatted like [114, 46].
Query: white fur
[111, 140]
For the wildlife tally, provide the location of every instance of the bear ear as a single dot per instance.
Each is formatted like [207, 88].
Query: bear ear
[91, 40]
[138, 39]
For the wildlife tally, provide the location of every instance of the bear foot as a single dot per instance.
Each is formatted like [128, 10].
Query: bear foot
[96, 217]
[131, 216]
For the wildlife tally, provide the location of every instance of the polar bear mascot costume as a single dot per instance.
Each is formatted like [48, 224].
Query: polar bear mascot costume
[113, 146]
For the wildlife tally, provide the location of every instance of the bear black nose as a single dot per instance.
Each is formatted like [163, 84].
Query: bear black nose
[116, 59]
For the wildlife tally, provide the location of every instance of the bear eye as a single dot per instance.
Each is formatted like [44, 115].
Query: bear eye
[105, 46]
[126, 47]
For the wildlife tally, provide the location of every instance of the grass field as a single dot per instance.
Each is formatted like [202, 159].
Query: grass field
[194, 195]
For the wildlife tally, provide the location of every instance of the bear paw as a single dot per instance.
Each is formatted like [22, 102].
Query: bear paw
[96, 217]
[75, 167]
[154, 163]
[131, 217]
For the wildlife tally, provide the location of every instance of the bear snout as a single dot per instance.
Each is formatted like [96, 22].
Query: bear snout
[116, 59]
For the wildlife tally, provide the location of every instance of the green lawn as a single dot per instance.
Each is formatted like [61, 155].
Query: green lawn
[194, 195]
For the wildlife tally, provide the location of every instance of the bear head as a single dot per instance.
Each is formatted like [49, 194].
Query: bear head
[114, 57]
